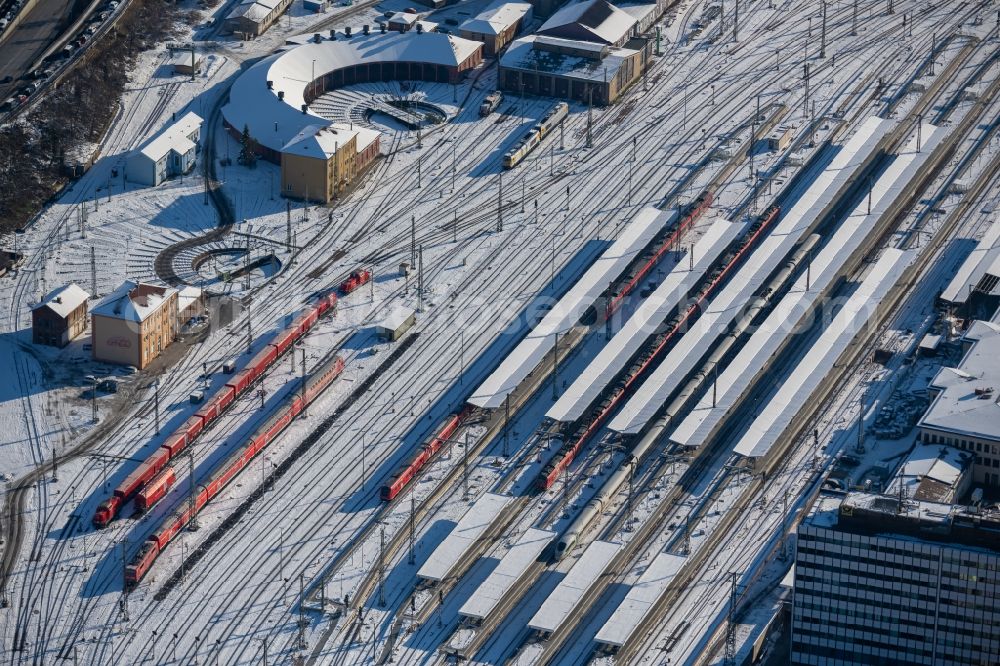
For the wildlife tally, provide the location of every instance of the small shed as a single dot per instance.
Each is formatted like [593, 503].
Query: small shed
[60, 316]
[780, 138]
[186, 63]
[398, 322]
[315, 6]
[929, 345]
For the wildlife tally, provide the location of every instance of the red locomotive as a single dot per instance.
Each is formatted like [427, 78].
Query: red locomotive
[229, 468]
[567, 453]
[355, 280]
[406, 473]
[216, 405]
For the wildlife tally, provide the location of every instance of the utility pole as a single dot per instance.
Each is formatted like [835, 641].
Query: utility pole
[249, 334]
[288, 224]
[933, 49]
[413, 511]
[822, 41]
[93, 271]
[419, 182]
[555, 368]
[381, 565]
[734, 578]
[500, 203]
[156, 404]
[413, 240]
[736, 22]
[193, 524]
[304, 402]
[590, 112]
[784, 525]
[805, 108]
[420, 278]
[303, 623]
[465, 468]
[506, 426]
[854, 19]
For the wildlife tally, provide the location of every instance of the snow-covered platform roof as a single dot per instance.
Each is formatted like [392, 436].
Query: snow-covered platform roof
[729, 303]
[639, 600]
[513, 565]
[643, 323]
[984, 260]
[274, 122]
[468, 530]
[818, 361]
[567, 312]
[701, 422]
[957, 408]
[591, 566]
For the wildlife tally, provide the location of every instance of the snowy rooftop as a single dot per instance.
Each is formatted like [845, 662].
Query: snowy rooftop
[643, 323]
[818, 361]
[468, 530]
[525, 54]
[932, 472]
[825, 266]
[133, 301]
[591, 20]
[63, 300]
[639, 600]
[497, 17]
[967, 397]
[732, 299]
[513, 565]
[586, 570]
[985, 259]
[255, 10]
[273, 122]
[174, 137]
[397, 317]
[525, 357]
[187, 295]
[322, 141]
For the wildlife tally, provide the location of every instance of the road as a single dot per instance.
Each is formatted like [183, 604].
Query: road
[29, 40]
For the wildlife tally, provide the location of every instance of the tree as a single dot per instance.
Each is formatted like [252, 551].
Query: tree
[248, 149]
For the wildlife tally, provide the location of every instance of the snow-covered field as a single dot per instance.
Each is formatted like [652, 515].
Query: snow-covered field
[240, 603]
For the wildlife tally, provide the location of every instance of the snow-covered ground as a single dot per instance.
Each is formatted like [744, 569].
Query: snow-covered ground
[241, 600]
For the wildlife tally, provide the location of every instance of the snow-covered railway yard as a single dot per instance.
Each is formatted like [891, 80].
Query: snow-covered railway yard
[299, 559]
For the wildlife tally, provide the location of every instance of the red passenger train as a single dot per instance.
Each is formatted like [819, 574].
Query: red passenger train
[406, 473]
[206, 415]
[237, 460]
[567, 453]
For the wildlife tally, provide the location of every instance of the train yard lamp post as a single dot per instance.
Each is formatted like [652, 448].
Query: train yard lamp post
[364, 464]
[93, 397]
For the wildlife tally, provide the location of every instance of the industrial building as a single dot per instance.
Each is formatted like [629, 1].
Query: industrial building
[252, 18]
[134, 324]
[905, 577]
[497, 25]
[964, 411]
[272, 97]
[60, 316]
[185, 62]
[170, 153]
[975, 289]
[588, 51]
[320, 162]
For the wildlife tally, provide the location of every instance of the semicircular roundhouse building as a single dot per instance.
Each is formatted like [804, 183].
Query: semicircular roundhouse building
[318, 157]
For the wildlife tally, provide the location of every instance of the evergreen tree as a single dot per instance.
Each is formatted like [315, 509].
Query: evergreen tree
[248, 154]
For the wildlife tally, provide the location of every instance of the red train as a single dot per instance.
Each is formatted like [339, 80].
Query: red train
[406, 473]
[355, 280]
[229, 468]
[567, 453]
[694, 211]
[189, 430]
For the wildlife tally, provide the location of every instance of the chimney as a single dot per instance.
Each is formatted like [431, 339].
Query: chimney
[305, 108]
[365, 29]
[420, 28]
[281, 95]
[270, 85]
[381, 27]
[333, 34]
[347, 31]
[317, 38]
